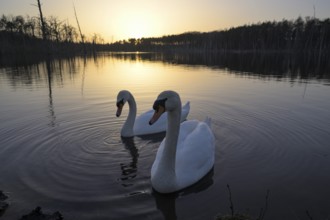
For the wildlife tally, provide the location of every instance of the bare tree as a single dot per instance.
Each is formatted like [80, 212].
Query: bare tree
[69, 33]
[81, 35]
[97, 39]
[43, 24]
[30, 26]
[19, 23]
[55, 28]
[3, 22]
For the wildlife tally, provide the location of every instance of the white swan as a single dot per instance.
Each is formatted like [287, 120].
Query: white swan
[139, 125]
[187, 152]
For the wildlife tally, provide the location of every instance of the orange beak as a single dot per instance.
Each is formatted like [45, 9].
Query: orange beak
[157, 114]
[119, 109]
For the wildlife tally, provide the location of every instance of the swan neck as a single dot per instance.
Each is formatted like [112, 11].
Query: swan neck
[171, 141]
[127, 129]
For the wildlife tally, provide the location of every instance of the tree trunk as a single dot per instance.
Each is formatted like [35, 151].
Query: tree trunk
[43, 26]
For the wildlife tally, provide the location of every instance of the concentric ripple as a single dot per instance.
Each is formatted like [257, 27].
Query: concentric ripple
[60, 144]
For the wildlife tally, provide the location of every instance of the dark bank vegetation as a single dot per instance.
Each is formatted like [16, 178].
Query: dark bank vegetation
[309, 34]
[298, 47]
[295, 42]
[3, 204]
[307, 40]
[23, 37]
[37, 214]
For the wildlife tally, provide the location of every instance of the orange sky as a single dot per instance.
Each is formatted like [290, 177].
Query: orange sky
[122, 19]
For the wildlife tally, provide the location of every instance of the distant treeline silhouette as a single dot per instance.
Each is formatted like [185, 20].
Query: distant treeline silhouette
[21, 36]
[309, 34]
[55, 29]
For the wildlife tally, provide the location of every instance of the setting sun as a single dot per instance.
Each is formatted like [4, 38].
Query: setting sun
[136, 26]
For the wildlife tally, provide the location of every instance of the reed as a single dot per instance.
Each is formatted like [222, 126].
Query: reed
[242, 216]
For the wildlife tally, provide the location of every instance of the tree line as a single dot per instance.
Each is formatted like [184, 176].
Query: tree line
[23, 39]
[55, 29]
[309, 34]
[21, 36]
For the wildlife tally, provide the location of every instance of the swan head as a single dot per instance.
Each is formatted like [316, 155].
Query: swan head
[122, 98]
[166, 101]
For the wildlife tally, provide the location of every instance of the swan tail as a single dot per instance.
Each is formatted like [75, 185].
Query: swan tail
[187, 105]
[208, 121]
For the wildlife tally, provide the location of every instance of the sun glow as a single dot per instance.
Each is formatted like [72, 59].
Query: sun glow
[136, 24]
[136, 29]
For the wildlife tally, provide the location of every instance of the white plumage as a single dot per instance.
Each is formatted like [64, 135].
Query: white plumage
[186, 154]
[135, 126]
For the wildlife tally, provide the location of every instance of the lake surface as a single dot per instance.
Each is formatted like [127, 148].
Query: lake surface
[60, 144]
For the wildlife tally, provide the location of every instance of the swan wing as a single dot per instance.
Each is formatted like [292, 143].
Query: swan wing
[195, 152]
[185, 111]
[142, 127]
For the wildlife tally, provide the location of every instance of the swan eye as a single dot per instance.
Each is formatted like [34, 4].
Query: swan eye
[158, 103]
[120, 103]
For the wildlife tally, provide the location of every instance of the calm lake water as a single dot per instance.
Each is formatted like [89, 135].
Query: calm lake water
[60, 144]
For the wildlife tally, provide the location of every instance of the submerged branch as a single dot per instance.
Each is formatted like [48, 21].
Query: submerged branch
[231, 201]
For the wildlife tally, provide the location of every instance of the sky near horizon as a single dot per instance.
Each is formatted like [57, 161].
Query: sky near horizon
[123, 19]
